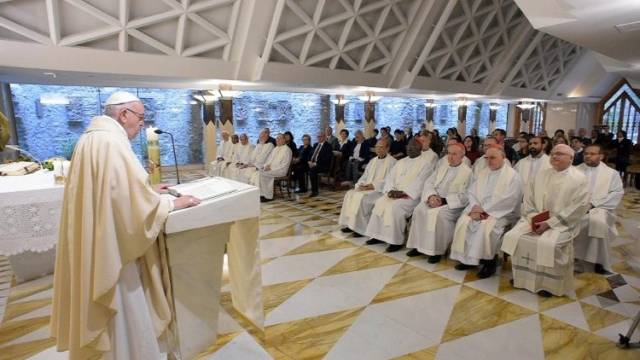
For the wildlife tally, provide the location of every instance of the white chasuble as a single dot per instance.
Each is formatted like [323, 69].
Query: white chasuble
[432, 228]
[278, 162]
[389, 216]
[529, 167]
[499, 193]
[598, 227]
[110, 220]
[224, 152]
[258, 158]
[357, 204]
[545, 262]
[241, 155]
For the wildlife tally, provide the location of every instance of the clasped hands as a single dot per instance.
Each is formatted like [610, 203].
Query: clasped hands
[434, 201]
[477, 213]
[397, 194]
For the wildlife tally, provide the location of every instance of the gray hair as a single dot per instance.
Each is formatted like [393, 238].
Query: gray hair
[113, 110]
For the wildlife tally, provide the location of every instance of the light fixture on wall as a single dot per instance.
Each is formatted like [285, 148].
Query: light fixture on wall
[339, 100]
[462, 102]
[526, 105]
[430, 104]
[494, 106]
[369, 97]
[225, 92]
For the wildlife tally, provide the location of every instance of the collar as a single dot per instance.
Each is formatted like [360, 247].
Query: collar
[106, 123]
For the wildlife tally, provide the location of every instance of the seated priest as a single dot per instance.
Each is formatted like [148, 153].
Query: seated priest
[402, 190]
[598, 228]
[529, 166]
[481, 162]
[444, 160]
[277, 165]
[258, 158]
[494, 195]
[541, 243]
[241, 155]
[224, 153]
[424, 138]
[109, 299]
[358, 202]
[443, 199]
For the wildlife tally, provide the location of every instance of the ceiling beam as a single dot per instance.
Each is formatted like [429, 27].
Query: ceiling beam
[500, 86]
[508, 58]
[53, 18]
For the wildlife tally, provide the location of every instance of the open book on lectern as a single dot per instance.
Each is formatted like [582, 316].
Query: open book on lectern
[204, 189]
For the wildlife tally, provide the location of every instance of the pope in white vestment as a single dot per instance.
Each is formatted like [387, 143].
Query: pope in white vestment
[109, 297]
[276, 165]
[535, 162]
[241, 155]
[358, 202]
[494, 195]
[402, 189]
[223, 156]
[598, 226]
[443, 199]
[258, 158]
[542, 257]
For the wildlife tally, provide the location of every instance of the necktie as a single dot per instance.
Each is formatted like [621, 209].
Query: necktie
[314, 158]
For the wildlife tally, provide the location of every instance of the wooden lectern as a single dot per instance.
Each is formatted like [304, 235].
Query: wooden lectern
[195, 242]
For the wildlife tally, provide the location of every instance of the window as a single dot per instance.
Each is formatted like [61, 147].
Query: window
[621, 111]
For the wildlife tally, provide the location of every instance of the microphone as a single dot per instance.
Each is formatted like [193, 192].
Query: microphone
[173, 144]
[19, 149]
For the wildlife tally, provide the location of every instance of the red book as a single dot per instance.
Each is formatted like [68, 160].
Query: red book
[543, 216]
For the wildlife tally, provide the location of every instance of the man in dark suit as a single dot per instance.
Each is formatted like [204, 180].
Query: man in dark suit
[578, 146]
[301, 163]
[320, 161]
[357, 158]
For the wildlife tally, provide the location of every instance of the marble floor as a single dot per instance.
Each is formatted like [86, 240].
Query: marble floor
[329, 296]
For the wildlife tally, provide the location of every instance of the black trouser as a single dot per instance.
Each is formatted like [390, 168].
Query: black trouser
[301, 177]
[314, 178]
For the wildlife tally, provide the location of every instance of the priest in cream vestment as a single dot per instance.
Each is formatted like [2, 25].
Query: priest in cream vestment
[536, 161]
[598, 228]
[443, 199]
[223, 156]
[109, 298]
[494, 195]
[481, 162]
[258, 158]
[402, 189]
[241, 155]
[358, 202]
[542, 256]
[276, 165]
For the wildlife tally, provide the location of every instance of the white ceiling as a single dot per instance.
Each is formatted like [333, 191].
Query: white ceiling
[484, 48]
[592, 24]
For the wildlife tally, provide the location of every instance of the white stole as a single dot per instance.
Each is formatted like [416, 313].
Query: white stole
[598, 226]
[458, 184]
[372, 176]
[383, 207]
[460, 232]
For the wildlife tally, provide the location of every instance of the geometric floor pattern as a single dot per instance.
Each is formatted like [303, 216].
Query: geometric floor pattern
[327, 295]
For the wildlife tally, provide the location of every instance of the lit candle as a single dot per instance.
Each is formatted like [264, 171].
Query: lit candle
[151, 135]
[153, 150]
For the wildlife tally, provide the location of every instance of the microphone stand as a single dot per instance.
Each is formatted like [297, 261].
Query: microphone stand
[173, 145]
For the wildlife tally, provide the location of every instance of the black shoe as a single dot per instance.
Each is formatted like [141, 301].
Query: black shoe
[301, 191]
[545, 293]
[462, 267]
[346, 230]
[488, 269]
[264, 199]
[413, 253]
[599, 269]
[357, 235]
[434, 259]
[313, 194]
[511, 282]
[393, 248]
[373, 242]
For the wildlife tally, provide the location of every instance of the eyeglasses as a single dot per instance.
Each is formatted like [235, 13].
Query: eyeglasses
[556, 154]
[137, 114]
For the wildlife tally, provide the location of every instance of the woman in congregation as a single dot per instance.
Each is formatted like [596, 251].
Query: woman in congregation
[301, 163]
[471, 146]
[288, 139]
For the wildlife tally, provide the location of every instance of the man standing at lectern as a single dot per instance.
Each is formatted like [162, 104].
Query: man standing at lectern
[109, 300]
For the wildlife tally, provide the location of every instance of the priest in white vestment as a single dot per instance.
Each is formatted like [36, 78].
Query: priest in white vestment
[542, 253]
[109, 299]
[495, 194]
[258, 158]
[443, 199]
[223, 156]
[533, 163]
[444, 159]
[402, 190]
[359, 201]
[481, 162]
[241, 155]
[598, 228]
[276, 165]
[424, 138]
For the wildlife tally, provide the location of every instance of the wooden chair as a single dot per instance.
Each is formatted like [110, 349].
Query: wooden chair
[284, 182]
[331, 172]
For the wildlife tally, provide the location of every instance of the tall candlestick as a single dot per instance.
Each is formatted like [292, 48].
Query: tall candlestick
[153, 151]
